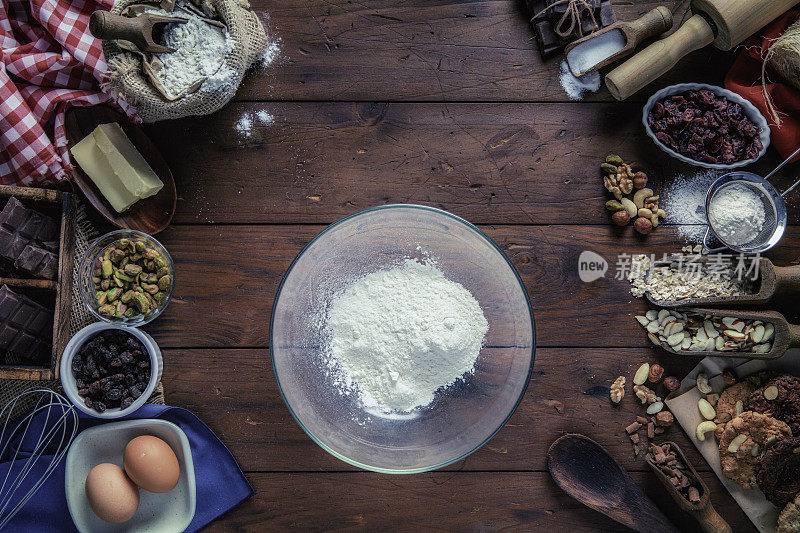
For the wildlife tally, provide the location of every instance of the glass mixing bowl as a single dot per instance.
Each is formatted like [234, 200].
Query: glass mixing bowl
[462, 417]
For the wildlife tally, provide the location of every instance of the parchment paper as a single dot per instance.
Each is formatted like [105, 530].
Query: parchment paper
[683, 404]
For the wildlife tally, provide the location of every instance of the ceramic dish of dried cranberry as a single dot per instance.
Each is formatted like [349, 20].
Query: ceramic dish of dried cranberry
[109, 371]
[706, 126]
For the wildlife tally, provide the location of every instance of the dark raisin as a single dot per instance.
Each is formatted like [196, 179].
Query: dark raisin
[127, 402]
[135, 392]
[99, 407]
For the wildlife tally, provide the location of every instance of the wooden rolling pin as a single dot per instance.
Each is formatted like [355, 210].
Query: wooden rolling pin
[726, 23]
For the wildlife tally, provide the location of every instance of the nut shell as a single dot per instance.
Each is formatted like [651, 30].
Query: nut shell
[621, 218]
[671, 383]
[643, 226]
[656, 371]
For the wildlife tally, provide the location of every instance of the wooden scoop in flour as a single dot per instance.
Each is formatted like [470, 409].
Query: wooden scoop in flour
[786, 335]
[652, 23]
[726, 23]
[771, 280]
[142, 30]
[705, 514]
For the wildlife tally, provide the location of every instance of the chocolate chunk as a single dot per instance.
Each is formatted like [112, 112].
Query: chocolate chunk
[38, 261]
[26, 328]
[29, 239]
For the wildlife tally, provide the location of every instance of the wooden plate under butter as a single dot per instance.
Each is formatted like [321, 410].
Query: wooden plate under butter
[150, 215]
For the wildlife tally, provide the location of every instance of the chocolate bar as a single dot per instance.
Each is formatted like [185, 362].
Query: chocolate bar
[547, 22]
[26, 328]
[29, 239]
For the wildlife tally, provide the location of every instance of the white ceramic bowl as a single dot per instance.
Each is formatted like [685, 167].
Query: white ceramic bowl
[166, 512]
[750, 110]
[68, 378]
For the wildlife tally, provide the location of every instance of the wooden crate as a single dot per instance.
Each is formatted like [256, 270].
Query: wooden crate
[59, 292]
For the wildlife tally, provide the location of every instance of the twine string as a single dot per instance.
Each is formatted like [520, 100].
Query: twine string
[572, 15]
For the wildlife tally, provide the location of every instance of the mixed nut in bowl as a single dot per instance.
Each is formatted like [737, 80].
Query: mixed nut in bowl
[109, 371]
[126, 277]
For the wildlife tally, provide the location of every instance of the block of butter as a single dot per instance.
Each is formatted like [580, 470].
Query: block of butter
[115, 165]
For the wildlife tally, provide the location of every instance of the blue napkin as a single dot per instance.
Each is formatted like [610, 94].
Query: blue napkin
[221, 485]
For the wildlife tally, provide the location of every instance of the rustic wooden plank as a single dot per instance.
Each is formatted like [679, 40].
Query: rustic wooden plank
[235, 393]
[425, 51]
[227, 277]
[489, 163]
[452, 501]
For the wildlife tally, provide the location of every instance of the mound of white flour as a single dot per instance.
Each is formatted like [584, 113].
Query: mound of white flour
[398, 335]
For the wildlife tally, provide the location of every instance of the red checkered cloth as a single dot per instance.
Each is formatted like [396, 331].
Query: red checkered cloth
[50, 61]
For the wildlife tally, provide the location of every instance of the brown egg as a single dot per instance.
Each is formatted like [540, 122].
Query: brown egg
[111, 494]
[151, 464]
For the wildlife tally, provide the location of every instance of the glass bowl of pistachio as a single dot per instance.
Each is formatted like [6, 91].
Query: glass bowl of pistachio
[126, 277]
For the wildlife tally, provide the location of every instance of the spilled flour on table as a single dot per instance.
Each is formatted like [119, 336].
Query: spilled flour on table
[683, 199]
[397, 336]
[244, 126]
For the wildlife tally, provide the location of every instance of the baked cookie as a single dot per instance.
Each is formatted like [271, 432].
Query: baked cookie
[789, 519]
[727, 408]
[743, 440]
[779, 398]
[778, 472]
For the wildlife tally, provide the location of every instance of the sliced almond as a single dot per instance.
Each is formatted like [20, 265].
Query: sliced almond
[736, 443]
[651, 315]
[642, 320]
[641, 374]
[710, 330]
[719, 342]
[757, 334]
[675, 340]
[735, 335]
[664, 313]
[771, 392]
[769, 331]
[761, 348]
[654, 338]
[738, 325]
[687, 342]
[728, 321]
[706, 409]
[653, 327]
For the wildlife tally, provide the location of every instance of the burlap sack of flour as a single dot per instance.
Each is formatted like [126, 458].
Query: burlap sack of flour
[126, 79]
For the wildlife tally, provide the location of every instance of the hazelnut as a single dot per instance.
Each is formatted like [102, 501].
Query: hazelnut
[672, 383]
[656, 371]
[621, 218]
[642, 225]
[640, 180]
[729, 377]
[665, 419]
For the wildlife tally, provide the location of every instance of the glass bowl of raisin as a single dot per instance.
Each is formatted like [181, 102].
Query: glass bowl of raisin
[110, 370]
[706, 126]
[126, 277]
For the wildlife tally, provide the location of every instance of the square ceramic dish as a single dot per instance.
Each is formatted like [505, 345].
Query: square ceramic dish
[750, 110]
[164, 513]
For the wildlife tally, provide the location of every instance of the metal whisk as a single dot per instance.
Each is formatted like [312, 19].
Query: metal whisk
[28, 449]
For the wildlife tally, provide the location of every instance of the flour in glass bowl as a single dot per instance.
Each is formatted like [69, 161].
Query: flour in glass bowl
[397, 336]
[737, 214]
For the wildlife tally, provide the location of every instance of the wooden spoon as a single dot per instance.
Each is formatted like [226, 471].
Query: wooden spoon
[703, 511]
[142, 30]
[786, 335]
[585, 470]
[150, 215]
[771, 280]
[652, 23]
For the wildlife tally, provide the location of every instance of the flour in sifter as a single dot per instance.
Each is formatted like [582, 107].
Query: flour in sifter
[399, 335]
[737, 214]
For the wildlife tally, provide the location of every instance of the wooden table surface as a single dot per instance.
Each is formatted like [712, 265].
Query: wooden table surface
[438, 102]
